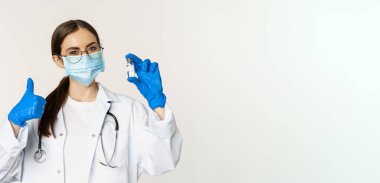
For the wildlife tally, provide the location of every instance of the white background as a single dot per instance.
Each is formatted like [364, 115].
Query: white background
[275, 91]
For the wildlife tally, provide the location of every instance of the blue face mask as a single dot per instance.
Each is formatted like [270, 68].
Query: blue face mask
[85, 71]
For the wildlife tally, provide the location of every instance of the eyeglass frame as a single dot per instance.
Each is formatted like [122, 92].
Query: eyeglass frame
[81, 53]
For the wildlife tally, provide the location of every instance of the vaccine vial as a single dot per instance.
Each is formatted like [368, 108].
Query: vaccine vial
[130, 68]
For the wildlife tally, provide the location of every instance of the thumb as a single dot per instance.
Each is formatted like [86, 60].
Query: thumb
[134, 80]
[30, 86]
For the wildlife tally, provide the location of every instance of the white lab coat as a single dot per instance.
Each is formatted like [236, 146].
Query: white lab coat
[146, 144]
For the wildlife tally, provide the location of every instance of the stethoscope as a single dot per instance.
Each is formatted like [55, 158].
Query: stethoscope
[40, 155]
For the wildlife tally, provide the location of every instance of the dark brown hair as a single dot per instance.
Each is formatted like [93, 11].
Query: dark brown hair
[58, 96]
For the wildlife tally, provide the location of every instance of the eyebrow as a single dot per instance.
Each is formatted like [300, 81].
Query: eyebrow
[79, 48]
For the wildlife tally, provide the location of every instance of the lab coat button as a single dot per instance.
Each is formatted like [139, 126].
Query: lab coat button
[61, 134]
[93, 135]
[58, 171]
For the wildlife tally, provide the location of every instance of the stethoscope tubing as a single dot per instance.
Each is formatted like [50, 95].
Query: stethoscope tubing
[40, 155]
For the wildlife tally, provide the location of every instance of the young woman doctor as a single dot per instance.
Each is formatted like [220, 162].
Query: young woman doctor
[83, 132]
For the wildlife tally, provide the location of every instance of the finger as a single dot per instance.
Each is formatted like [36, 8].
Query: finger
[40, 99]
[137, 67]
[38, 111]
[146, 65]
[30, 86]
[134, 80]
[153, 67]
[136, 60]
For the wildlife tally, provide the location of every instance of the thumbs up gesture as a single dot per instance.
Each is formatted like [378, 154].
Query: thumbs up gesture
[29, 107]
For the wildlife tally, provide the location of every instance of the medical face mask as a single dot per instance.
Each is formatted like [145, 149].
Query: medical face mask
[85, 71]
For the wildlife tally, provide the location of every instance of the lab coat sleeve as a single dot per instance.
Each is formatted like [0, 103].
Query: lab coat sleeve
[11, 151]
[158, 142]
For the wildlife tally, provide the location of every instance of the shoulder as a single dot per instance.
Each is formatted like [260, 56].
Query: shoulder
[125, 99]
[121, 98]
[130, 108]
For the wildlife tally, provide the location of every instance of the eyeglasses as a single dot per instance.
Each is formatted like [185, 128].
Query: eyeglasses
[74, 55]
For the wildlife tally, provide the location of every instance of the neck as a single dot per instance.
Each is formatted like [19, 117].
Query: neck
[82, 93]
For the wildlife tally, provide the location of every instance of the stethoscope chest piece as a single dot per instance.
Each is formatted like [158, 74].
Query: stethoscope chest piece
[40, 156]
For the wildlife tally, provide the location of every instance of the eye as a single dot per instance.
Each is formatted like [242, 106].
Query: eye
[93, 48]
[73, 52]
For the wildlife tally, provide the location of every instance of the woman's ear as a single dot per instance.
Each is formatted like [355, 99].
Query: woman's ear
[58, 61]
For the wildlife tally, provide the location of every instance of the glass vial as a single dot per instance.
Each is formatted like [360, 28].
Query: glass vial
[130, 68]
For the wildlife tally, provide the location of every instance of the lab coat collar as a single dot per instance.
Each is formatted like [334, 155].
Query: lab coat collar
[104, 96]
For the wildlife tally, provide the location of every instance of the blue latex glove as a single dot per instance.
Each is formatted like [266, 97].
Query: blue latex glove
[29, 107]
[148, 82]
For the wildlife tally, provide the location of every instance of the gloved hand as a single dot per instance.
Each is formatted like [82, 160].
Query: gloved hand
[29, 107]
[148, 82]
